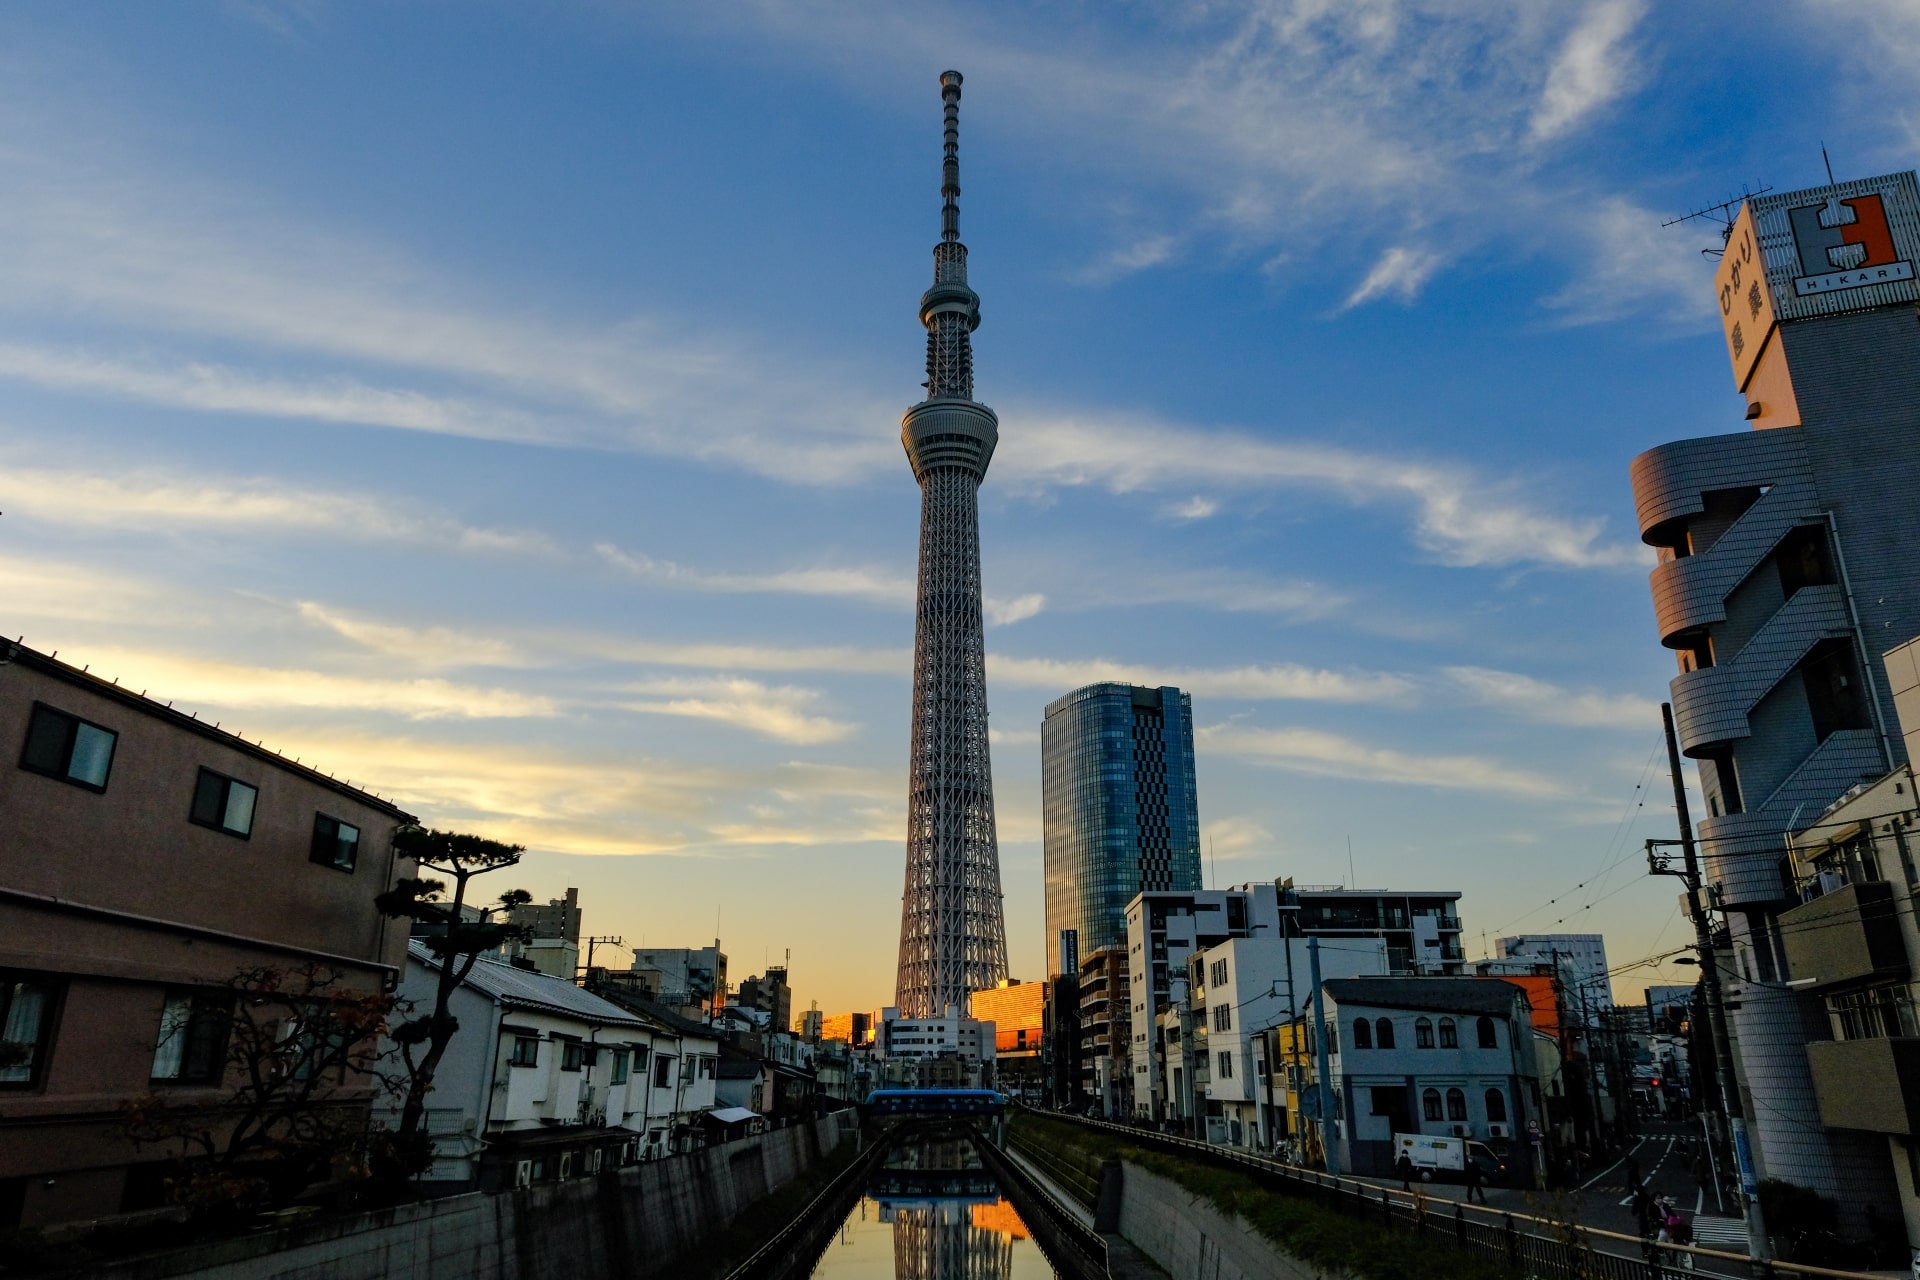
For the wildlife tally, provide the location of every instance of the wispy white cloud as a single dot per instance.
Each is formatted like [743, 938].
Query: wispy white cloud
[1138, 255]
[238, 686]
[1002, 613]
[875, 586]
[1315, 752]
[1462, 518]
[1280, 681]
[779, 712]
[1550, 704]
[159, 499]
[1595, 66]
[1400, 273]
[1296, 124]
[435, 647]
[1194, 508]
[849, 582]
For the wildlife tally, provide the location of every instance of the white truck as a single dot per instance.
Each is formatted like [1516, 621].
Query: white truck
[1447, 1157]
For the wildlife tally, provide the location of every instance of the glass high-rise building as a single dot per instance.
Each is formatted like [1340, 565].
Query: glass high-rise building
[1121, 811]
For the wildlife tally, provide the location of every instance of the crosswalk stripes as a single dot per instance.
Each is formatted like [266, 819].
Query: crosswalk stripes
[1714, 1232]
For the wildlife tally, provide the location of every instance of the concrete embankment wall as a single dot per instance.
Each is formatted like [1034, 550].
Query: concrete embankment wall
[632, 1224]
[1191, 1239]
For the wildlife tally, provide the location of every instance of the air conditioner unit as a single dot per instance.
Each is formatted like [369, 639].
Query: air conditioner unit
[566, 1165]
[523, 1174]
[1459, 1131]
[1496, 1131]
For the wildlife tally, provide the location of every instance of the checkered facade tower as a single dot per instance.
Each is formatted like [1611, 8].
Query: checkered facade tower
[952, 938]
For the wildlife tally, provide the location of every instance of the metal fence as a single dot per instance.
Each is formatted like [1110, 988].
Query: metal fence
[1535, 1247]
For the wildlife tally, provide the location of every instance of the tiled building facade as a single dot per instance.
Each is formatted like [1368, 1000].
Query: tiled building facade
[1785, 567]
[1121, 813]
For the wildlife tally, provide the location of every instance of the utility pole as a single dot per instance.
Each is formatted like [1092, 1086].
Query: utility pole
[607, 941]
[1730, 1101]
[1325, 1067]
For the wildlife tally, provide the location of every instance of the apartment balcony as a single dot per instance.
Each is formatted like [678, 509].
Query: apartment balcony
[1849, 937]
[1868, 1084]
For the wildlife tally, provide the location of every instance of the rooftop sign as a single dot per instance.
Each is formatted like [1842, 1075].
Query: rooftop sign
[1795, 255]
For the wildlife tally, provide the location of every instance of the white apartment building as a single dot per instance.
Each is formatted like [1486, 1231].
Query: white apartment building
[1164, 931]
[547, 1081]
[1238, 990]
[907, 1042]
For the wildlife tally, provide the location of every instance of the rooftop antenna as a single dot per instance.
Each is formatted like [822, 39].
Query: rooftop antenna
[1353, 881]
[1724, 211]
[1829, 162]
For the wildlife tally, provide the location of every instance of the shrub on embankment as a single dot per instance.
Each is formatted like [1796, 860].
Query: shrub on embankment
[1310, 1232]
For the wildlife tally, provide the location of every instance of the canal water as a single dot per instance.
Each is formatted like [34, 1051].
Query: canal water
[933, 1213]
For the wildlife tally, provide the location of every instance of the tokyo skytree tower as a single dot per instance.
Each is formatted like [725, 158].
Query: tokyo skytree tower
[952, 940]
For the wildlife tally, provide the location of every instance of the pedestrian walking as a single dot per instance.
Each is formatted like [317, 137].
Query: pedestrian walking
[1475, 1184]
[1403, 1169]
[1643, 1211]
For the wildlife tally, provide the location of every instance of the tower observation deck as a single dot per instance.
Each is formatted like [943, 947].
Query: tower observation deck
[952, 938]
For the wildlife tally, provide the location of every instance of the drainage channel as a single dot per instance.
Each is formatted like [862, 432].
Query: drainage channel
[933, 1210]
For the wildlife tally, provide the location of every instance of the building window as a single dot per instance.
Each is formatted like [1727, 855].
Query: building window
[26, 1017]
[526, 1052]
[619, 1072]
[1449, 1034]
[572, 1054]
[336, 844]
[1487, 1038]
[1362, 1034]
[706, 1066]
[1874, 1014]
[662, 1071]
[1223, 1017]
[1430, 1104]
[1496, 1106]
[1217, 974]
[1383, 1032]
[1834, 693]
[69, 748]
[1423, 1033]
[223, 803]
[193, 1038]
[1456, 1104]
[1226, 1065]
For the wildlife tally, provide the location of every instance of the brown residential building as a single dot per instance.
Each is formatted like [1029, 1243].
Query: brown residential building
[145, 859]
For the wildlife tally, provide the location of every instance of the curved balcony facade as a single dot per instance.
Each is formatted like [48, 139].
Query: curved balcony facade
[1772, 697]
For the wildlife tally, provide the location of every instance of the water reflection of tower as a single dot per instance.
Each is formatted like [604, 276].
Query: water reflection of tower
[940, 1242]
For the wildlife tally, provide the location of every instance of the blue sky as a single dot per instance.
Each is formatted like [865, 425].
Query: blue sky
[497, 404]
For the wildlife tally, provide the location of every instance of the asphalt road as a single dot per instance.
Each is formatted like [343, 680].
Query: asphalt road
[1664, 1162]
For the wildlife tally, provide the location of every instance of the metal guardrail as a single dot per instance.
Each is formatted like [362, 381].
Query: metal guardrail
[1074, 1249]
[1072, 1177]
[1536, 1246]
[791, 1247]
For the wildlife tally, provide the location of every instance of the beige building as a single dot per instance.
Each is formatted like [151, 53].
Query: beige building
[149, 857]
[1854, 942]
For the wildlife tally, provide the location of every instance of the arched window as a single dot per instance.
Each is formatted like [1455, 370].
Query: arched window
[1423, 1033]
[1362, 1034]
[1487, 1039]
[1449, 1034]
[1456, 1105]
[1430, 1104]
[1383, 1032]
[1496, 1106]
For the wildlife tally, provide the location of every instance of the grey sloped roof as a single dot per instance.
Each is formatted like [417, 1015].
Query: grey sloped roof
[525, 989]
[1442, 995]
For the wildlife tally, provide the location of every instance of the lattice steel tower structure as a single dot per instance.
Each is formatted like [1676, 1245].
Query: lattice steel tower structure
[952, 939]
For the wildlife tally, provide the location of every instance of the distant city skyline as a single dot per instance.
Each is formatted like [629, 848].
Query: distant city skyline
[503, 414]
